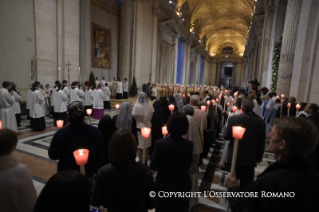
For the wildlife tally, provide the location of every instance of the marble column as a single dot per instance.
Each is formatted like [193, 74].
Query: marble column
[217, 80]
[266, 44]
[125, 41]
[288, 46]
[186, 64]
[154, 43]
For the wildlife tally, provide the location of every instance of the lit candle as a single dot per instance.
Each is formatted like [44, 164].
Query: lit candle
[226, 90]
[89, 112]
[171, 107]
[59, 123]
[81, 158]
[183, 95]
[208, 102]
[297, 107]
[217, 100]
[164, 131]
[0, 124]
[117, 106]
[233, 100]
[238, 133]
[289, 105]
[228, 104]
[203, 108]
[234, 108]
[282, 96]
[145, 132]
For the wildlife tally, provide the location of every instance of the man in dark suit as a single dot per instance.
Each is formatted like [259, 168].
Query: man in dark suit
[251, 146]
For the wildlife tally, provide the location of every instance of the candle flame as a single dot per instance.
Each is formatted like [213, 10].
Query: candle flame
[81, 152]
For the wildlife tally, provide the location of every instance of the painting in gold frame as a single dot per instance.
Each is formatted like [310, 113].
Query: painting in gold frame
[100, 46]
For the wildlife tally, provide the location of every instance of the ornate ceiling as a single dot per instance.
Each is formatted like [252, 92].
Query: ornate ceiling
[219, 23]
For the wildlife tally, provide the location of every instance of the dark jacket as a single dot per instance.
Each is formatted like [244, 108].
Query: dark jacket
[287, 175]
[72, 137]
[251, 146]
[314, 156]
[124, 188]
[172, 157]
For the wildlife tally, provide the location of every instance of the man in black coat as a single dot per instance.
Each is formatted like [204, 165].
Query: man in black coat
[288, 184]
[251, 147]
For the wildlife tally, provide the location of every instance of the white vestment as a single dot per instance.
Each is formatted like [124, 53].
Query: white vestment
[103, 83]
[88, 99]
[67, 92]
[76, 95]
[107, 94]
[61, 101]
[37, 105]
[53, 96]
[29, 99]
[119, 87]
[125, 87]
[154, 91]
[16, 104]
[7, 115]
[97, 96]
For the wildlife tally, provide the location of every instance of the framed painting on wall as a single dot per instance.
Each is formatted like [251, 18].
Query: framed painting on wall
[100, 46]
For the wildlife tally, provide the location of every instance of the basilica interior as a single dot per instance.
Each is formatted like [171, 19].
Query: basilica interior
[189, 42]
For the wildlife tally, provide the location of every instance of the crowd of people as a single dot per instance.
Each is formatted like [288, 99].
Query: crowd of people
[117, 181]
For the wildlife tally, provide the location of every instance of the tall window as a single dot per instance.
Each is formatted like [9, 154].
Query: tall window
[179, 76]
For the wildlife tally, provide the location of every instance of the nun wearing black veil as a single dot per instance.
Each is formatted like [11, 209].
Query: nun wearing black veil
[106, 127]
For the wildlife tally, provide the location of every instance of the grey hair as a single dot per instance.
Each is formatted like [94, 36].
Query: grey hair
[188, 110]
[194, 100]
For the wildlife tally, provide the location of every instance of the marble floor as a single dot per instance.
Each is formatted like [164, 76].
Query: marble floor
[32, 152]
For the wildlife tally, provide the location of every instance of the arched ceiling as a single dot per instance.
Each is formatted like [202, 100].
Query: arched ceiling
[220, 21]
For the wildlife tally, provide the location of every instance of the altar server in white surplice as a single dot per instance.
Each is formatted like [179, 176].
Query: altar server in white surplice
[88, 102]
[66, 91]
[98, 105]
[60, 106]
[7, 115]
[29, 102]
[37, 108]
[103, 82]
[119, 90]
[52, 100]
[107, 94]
[16, 107]
[125, 89]
[76, 94]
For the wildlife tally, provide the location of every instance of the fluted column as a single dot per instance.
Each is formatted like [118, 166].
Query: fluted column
[266, 44]
[288, 46]
[125, 41]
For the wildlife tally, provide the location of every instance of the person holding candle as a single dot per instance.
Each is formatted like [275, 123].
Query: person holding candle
[60, 105]
[88, 101]
[291, 145]
[193, 134]
[65, 191]
[251, 146]
[172, 158]
[142, 112]
[301, 111]
[124, 119]
[158, 122]
[77, 135]
[112, 182]
[106, 127]
[171, 101]
[179, 102]
[164, 103]
[17, 192]
[98, 107]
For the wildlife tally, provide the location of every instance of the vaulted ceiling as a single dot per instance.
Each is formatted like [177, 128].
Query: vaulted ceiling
[219, 23]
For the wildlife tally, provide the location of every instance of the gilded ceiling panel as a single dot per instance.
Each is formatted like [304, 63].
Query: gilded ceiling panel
[220, 22]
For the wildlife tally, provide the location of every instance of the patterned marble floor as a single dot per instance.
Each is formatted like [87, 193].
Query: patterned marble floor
[32, 151]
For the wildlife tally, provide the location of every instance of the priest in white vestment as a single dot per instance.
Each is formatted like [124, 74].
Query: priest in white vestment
[107, 94]
[7, 115]
[103, 82]
[119, 90]
[16, 107]
[98, 105]
[37, 108]
[53, 91]
[125, 89]
[28, 103]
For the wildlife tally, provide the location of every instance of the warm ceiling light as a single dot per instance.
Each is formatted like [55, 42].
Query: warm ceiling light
[212, 54]
[226, 55]
[170, 2]
[241, 54]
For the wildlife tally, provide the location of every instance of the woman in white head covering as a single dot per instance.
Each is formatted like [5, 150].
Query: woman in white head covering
[179, 102]
[143, 113]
